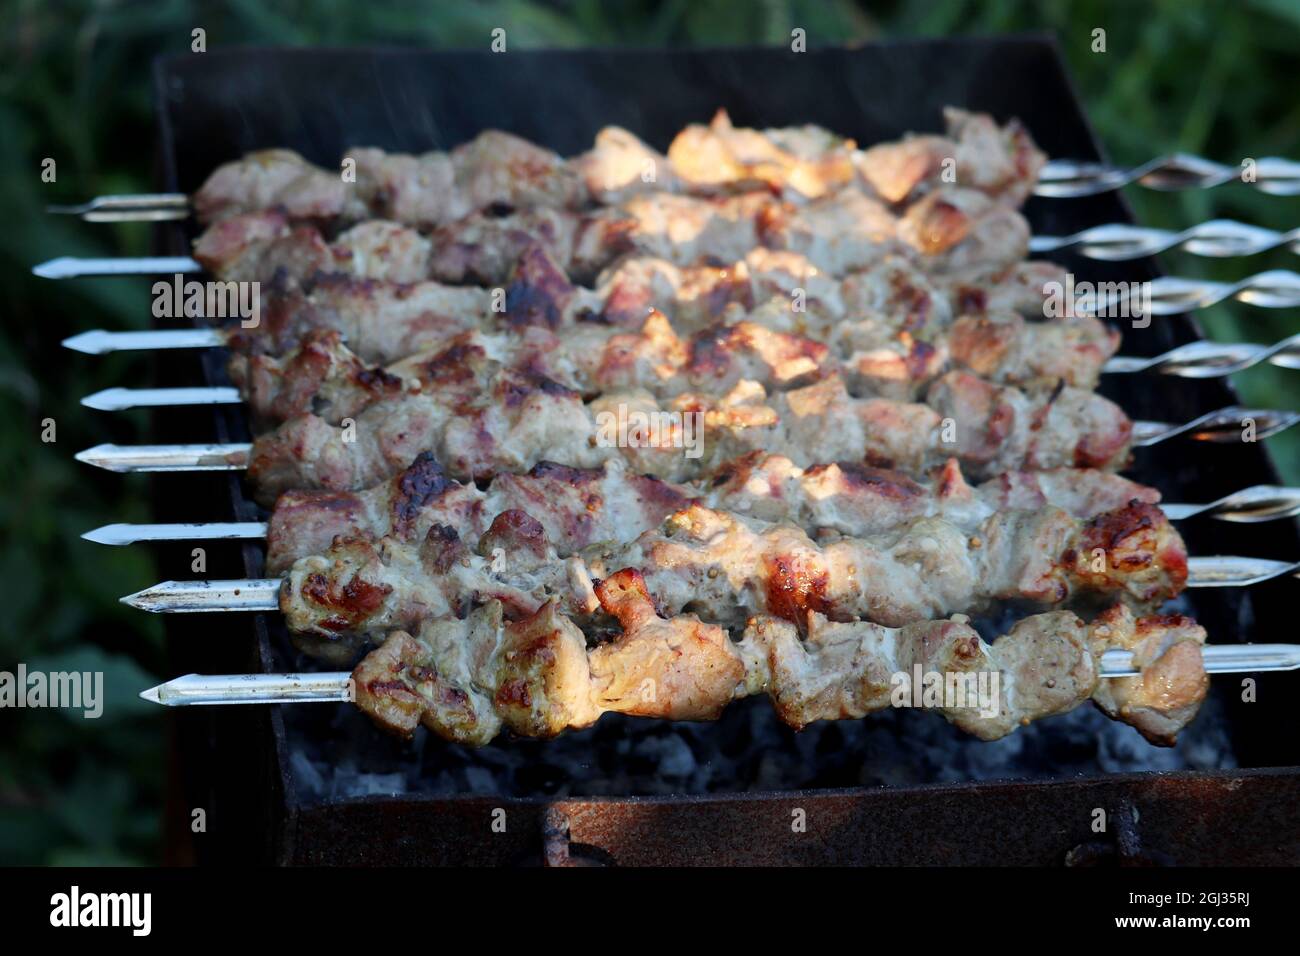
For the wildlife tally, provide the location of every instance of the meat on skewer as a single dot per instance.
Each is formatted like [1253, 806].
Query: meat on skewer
[518, 421]
[945, 231]
[725, 567]
[493, 169]
[468, 680]
[497, 169]
[900, 335]
[579, 507]
[323, 375]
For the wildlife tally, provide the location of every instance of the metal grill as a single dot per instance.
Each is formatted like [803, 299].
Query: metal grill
[215, 107]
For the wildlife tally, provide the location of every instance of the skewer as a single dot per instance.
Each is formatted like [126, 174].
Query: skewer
[1211, 359]
[1249, 506]
[100, 341]
[252, 689]
[1170, 295]
[1218, 238]
[1195, 360]
[145, 207]
[1223, 425]
[263, 594]
[336, 686]
[132, 458]
[1062, 178]
[120, 399]
[123, 533]
[70, 267]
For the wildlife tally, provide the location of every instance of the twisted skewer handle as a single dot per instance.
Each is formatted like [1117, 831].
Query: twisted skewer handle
[1210, 359]
[1218, 238]
[1067, 178]
[1171, 295]
[1224, 425]
[1248, 506]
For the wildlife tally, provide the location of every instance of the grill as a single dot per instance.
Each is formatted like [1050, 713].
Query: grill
[319, 785]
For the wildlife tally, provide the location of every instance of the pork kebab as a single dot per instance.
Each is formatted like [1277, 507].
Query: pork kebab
[943, 232]
[725, 567]
[579, 507]
[513, 421]
[900, 337]
[469, 680]
[497, 170]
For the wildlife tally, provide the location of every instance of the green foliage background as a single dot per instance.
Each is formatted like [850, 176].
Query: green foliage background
[1214, 78]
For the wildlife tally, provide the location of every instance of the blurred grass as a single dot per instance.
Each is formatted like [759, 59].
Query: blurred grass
[1212, 78]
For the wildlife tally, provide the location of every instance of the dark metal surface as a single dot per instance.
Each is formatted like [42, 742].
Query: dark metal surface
[215, 106]
[1244, 818]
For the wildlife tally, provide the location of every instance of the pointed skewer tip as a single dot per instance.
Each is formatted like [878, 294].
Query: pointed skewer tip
[107, 534]
[87, 343]
[97, 456]
[51, 268]
[107, 400]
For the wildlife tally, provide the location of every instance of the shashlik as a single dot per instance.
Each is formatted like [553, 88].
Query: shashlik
[579, 507]
[944, 231]
[725, 567]
[893, 354]
[908, 553]
[322, 375]
[518, 420]
[469, 679]
[497, 169]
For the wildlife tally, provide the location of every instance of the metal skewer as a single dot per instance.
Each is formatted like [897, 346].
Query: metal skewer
[337, 686]
[101, 341]
[1211, 359]
[263, 594]
[122, 533]
[1170, 295]
[1195, 360]
[144, 207]
[252, 689]
[70, 267]
[1218, 238]
[1223, 425]
[120, 399]
[1249, 506]
[196, 597]
[1069, 178]
[132, 458]
[1059, 178]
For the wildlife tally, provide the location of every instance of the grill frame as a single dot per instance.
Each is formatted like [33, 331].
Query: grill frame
[218, 105]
